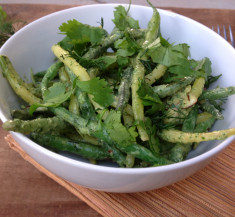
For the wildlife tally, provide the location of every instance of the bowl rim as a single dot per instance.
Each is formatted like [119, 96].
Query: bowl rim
[118, 170]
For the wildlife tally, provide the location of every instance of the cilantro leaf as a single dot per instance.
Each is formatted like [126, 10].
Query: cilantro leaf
[170, 55]
[184, 69]
[176, 59]
[122, 61]
[117, 131]
[56, 93]
[122, 20]
[126, 46]
[149, 98]
[193, 68]
[182, 49]
[82, 33]
[99, 89]
[54, 96]
[66, 43]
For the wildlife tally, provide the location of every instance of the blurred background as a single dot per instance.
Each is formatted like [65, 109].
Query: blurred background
[219, 4]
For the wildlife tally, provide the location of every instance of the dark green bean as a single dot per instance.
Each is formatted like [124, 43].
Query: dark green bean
[52, 125]
[124, 89]
[218, 93]
[144, 154]
[59, 143]
[50, 74]
[206, 106]
[165, 90]
[23, 114]
[107, 42]
[153, 26]
[87, 110]
[180, 151]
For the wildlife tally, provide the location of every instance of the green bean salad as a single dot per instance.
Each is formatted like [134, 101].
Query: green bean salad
[128, 96]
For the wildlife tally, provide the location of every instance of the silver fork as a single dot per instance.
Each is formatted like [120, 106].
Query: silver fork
[225, 33]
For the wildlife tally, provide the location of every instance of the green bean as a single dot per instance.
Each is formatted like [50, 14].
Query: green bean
[205, 125]
[196, 91]
[130, 161]
[59, 143]
[87, 111]
[52, 125]
[153, 26]
[50, 74]
[75, 136]
[81, 101]
[102, 135]
[23, 114]
[180, 151]
[70, 62]
[206, 106]
[136, 33]
[71, 75]
[96, 51]
[128, 117]
[63, 75]
[83, 125]
[21, 88]
[74, 105]
[176, 136]
[218, 93]
[115, 153]
[124, 89]
[144, 154]
[165, 90]
[157, 73]
[107, 42]
[137, 105]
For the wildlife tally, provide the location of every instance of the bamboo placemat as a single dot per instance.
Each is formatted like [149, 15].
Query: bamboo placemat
[210, 192]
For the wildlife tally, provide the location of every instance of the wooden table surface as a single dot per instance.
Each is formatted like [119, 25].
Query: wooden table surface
[24, 191]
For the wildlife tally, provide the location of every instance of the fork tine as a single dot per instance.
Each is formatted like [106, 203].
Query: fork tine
[231, 35]
[225, 35]
[218, 29]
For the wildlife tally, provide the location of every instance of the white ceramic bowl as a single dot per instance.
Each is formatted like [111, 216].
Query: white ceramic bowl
[31, 47]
